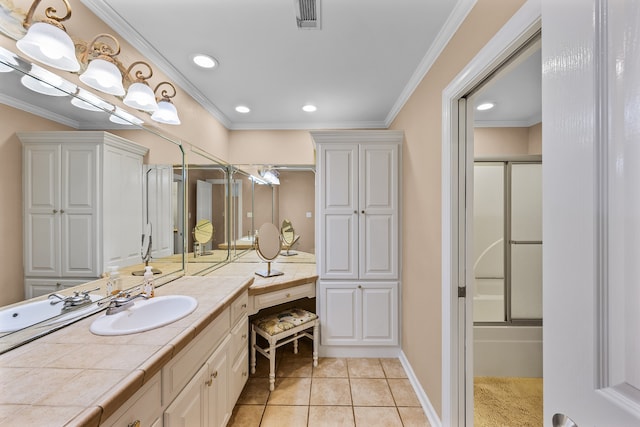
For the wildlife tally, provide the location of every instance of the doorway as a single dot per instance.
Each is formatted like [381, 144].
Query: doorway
[457, 186]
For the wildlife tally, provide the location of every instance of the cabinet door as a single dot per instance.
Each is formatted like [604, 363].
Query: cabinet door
[340, 313]
[41, 182]
[122, 206]
[338, 211]
[189, 408]
[379, 313]
[378, 202]
[79, 227]
[217, 407]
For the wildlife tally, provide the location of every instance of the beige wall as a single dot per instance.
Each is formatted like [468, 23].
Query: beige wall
[296, 198]
[421, 120]
[507, 141]
[281, 147]
[12, 283]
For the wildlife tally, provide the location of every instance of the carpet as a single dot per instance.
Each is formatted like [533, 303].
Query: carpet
[507, 402]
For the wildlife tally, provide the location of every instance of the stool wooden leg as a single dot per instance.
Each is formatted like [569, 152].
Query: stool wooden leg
[316, 337]
[295, 344]
[272, 366]
[253, 349]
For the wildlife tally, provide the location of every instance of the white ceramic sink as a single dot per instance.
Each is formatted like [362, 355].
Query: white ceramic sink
[145, 315]
[22, 316]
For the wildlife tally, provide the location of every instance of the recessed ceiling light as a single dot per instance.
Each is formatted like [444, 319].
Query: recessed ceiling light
[205, 61]
[243, 109]
[485, 106]
[309, 108]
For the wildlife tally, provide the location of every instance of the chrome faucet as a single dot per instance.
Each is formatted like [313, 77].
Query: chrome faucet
[122, 301]
[75, 300]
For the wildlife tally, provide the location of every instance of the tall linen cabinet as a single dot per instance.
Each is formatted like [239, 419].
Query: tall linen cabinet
[357, 245]
[82, 206]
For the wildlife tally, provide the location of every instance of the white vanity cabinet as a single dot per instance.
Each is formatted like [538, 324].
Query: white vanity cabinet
[357, 223]
[82, 206]
[219, 358]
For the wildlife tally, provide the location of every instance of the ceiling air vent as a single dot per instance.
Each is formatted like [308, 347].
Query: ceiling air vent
[308, 14]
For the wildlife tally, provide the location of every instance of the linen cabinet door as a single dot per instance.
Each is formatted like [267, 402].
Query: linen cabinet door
[340, 313]
[218, 385]
[379, 313]
[378, 202]
[338, 211]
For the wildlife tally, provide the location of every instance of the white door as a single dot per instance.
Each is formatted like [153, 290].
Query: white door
[591, 211]
[204, 203]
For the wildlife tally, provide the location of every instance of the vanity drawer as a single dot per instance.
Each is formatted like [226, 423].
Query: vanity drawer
[239, 338]
[239, 307]
[179, 371]
[307, 290]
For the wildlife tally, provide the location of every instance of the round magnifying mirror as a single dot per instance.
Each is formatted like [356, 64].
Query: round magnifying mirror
[268, 246]
[203, 232]
[287, 232]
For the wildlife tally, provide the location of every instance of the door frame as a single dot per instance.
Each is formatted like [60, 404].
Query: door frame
[456, 333]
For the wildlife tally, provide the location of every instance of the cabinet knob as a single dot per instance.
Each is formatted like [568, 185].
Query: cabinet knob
[363, 211]
[215, 374]
[209, 382]
[243, 306]
[244, 336]
[244, 373]
[136, 423]
[355, 212]
[359, 286]
[61, 210]
[55, 211]
[288, 296]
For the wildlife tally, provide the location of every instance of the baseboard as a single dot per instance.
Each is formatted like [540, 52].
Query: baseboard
[358, 351]
[432, 416]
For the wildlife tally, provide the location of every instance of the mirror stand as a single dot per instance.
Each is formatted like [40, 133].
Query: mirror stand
[268, 245]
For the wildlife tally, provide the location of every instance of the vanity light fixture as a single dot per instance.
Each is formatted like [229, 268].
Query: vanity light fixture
[204, 61]
[48, 41]
[243, 109]
[166, 112]
[122, 117]
[309, 108]
[139, 95]
[485, 106]
[102, 73]
[44, 82]
[270, 175]
[6, 60]
[90, 102]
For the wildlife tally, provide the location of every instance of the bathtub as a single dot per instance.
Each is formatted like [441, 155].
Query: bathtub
[507, 351]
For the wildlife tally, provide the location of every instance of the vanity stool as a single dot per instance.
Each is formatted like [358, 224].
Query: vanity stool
[280, 329]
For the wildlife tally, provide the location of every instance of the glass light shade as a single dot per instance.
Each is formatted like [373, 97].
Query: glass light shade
[50, 45]
[141, 97]
[121, 117]
[88, 101]
[44, 82]
[103, 76]
[166, 113]
[6, 60]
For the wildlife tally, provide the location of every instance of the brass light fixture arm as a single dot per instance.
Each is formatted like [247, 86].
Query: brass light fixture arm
[140, 77]
[97, 49]
[164, 94]
[50, 13]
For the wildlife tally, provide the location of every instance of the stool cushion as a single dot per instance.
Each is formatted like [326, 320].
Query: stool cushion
[280, 322]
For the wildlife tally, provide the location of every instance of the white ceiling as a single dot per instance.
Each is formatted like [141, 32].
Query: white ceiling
[358, 68]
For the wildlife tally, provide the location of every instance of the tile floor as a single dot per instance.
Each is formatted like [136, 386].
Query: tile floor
[338, 392]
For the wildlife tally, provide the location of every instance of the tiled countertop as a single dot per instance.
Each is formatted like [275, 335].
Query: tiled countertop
[74, 377]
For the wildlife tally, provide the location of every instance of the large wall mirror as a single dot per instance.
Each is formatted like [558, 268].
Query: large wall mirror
[92, 192]
[284, 196]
